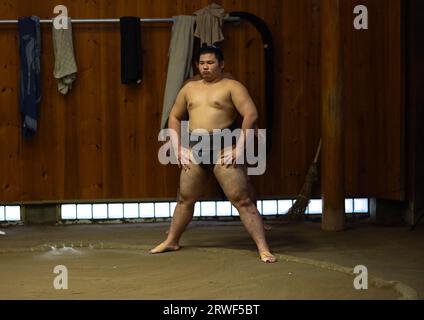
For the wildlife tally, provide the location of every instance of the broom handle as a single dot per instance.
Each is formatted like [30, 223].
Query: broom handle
[318, 151]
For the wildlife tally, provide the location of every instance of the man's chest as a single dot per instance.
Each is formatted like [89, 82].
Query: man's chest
[209, 97]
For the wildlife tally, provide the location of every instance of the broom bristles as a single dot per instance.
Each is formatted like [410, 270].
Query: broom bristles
[302, 200]
[297, 211]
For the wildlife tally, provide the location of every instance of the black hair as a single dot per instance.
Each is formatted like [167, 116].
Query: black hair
[215, 50]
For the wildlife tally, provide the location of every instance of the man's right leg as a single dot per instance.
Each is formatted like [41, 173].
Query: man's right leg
[192, 183]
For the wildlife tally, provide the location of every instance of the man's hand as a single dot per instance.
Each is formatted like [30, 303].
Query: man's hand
[184, 158]
[230, 156]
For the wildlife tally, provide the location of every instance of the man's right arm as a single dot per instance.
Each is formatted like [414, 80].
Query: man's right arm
[178, 113]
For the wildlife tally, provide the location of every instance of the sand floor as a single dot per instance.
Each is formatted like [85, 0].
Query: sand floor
[218, 261]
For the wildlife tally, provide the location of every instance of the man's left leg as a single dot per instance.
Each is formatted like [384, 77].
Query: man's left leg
[235, 184]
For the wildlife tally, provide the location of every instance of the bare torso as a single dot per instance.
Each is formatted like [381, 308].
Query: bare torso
[210, 105]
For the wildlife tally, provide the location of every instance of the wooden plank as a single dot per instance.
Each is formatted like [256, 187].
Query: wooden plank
[332, 167]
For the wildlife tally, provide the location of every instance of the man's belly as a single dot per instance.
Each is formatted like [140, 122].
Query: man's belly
[209, 123]
[210, 119]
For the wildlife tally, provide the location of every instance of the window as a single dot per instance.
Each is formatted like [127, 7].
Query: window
[165, 210]
[284, 206]
[208, 209]
[100, 211]
[10, 213]
[269, 207]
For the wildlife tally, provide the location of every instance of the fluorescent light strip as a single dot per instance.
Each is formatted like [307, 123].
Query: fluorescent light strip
[162, 210]
[259, 206]
[223, 208]
[147, 210]
[284, 206]
[2, 215]
[84, 212]
[131, 210]
[349, 205]
[166, 209]
[315, 207]
[269, 207]
[172, 205]
[234, 211]
[197, 210]
[69, 211]
[12, 213]
[360, 205]
[208, 209]
[116, 210]
[100, 211]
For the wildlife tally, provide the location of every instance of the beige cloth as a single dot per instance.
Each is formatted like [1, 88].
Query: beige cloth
[65, 67]
[179, 65]
[209, 24]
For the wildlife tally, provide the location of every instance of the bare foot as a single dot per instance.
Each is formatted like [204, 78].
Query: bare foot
[267, 257]
[163, 247]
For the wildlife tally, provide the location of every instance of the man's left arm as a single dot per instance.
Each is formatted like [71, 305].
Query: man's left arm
[247, 109]
[244, 105]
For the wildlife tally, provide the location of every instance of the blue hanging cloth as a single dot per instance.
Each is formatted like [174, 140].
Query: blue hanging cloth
[30, 73]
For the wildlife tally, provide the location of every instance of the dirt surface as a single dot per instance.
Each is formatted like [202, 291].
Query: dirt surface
[218, 261]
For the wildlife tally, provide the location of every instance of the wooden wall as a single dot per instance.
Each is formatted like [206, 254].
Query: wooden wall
[100, 141]
[415, 110]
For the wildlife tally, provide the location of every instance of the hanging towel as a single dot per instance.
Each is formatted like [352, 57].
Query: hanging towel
[131, 55]
[179, 65]
[209, 24]
[65, 67]
[30, 73]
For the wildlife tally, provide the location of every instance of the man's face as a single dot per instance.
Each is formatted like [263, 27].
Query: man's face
[209, 67]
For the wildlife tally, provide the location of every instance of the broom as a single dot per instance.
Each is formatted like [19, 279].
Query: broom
[297, 211]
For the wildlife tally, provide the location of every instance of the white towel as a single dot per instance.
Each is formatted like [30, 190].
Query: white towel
[65, 67]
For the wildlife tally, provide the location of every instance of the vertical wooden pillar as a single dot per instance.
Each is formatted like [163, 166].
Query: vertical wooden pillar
[414, 11]
[332, 168]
